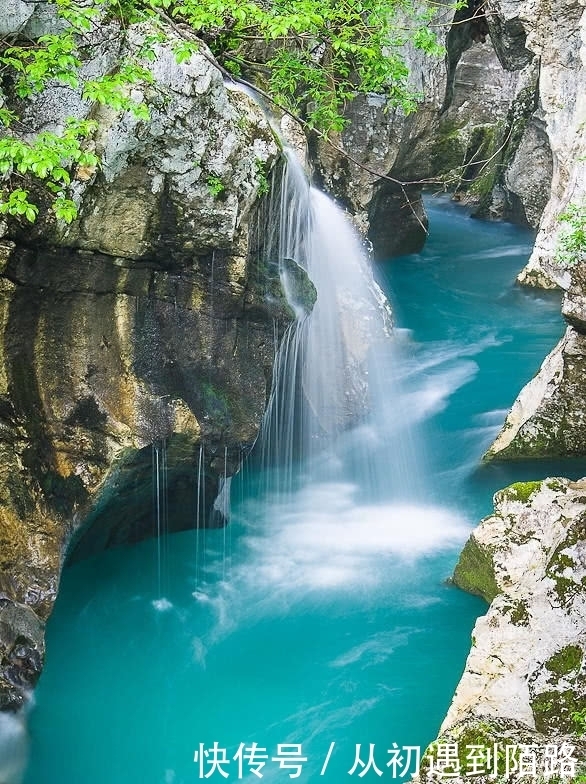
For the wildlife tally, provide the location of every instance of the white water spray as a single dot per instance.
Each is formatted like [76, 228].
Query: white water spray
[340, 497]
[334, 385]
[13, 747]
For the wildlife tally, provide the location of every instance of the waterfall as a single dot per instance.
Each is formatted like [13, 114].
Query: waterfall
[333, 361]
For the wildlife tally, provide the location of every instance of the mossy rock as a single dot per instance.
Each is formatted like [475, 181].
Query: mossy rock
[519, 491]
[302, 290]
[518, 613]
[565, 586]
[474, 571]
[468, 738]
[449, 148]
[565, 661]
[553, 710]
[556, 485]
[215, 403]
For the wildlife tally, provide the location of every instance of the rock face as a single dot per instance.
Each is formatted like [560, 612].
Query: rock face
[548, 419]
[549, 416]
[524, 677]
[555, 33]
[500, 123]
[479, 131]
[447, 138]
[527, 178]
[140, 334]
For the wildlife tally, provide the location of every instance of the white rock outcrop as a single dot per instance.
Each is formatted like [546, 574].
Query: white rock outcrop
[524, 676]
[556, 34]
[534, 543]
[548, 418]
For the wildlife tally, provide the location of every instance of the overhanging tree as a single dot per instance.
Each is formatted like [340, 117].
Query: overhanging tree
[310, 59]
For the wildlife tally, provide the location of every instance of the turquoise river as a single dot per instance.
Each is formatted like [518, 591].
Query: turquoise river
[322, 621]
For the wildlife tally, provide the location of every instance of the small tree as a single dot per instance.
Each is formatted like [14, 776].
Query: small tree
[310, 58]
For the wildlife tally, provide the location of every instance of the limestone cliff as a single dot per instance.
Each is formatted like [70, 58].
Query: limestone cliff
[555, 33]
[549, 416]
[548, 419]
[524, 678]
[478, 132]
[145, 328]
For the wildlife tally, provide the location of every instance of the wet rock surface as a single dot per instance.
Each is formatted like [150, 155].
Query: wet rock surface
[145, 328]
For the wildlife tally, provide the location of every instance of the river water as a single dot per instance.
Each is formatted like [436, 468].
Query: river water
[318, 623]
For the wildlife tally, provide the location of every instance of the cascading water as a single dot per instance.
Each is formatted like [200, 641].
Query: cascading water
[334, 371]
[331, 621]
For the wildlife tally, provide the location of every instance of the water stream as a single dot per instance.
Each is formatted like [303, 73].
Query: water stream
[324, 617]
[331, 358]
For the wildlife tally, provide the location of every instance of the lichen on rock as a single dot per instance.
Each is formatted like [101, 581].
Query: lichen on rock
[524, 680]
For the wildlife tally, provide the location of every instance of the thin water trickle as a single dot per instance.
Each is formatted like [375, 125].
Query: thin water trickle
[200, 521]
[161, 517]
[225, 512]
[158, 514]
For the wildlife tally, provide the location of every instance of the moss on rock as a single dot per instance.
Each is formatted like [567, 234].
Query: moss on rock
[302, 290]
[473, 741]
[474, 571]
[566, 660]
[519, 491]
[519, 614]
[553, 710]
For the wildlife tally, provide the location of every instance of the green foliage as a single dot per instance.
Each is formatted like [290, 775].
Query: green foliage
[323, 54]
[79, 17]
[113, 89]
[571, 248]
[313, 58]
[6, 117]
[53, 57]
[578, 719]
[183, 50]
[17, 203]
[48, 157]
[215, 185]
[263, 183]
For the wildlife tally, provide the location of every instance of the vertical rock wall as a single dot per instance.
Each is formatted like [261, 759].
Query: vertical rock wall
[478, 132]
[148, 323]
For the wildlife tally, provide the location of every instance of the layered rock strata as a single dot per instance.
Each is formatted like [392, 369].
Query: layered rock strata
[141, 334]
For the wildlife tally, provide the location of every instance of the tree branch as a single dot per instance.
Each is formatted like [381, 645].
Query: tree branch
[377, 175]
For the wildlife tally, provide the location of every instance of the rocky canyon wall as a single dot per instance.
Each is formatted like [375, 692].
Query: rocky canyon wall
[523, 682]
[145, 327]
[479, 132]
[549, 416]
[522, 686]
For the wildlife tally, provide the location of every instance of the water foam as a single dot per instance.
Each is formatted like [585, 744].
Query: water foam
[13, 748]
